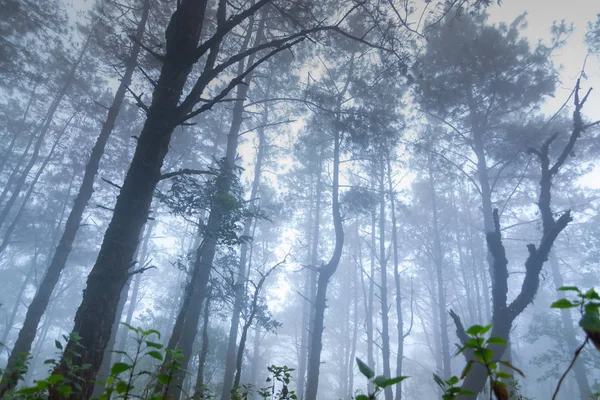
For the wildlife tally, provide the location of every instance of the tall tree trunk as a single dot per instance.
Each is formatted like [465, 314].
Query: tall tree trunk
[385, 332]
[569, 333]
[184, 332]
[438, 259]
[124, 333]
[203, 350]
[325, 273]
[230, 365]
[57, 264]
[11, 321]
[110, 273]
[397, 280]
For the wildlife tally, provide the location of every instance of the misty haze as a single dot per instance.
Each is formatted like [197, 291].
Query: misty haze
[300, 199]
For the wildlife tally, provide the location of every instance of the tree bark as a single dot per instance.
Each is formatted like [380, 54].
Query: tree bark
[93, 320]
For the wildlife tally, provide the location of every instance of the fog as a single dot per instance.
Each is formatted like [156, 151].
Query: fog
[297, 199]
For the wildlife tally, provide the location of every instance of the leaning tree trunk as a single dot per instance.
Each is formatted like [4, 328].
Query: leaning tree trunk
[111, 271]
[57, 264]
[199, 390]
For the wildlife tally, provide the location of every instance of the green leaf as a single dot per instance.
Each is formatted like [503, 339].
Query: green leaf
[29, 390]
[486, 328]
[65, 390]
[569, 289]
[484, 355]
[362, 397]
[364, 369]
[154, 344]
[439, 381]
[121, 387]
[497, 340]
[58, 345]
[42, 385]
[392, 381]
[155, 354]
[590, 322]
[150, 332]
[591, 295]
[466, 370]
[118, 368]
[452, 381]
[164, 379]
[562, 303]
[503, 375]
[379, 381]
[55, 378]
[86, 366]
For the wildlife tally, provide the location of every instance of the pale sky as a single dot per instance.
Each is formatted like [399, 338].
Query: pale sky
[541, 14]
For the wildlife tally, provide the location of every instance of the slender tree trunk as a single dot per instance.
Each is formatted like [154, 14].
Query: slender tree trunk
[11, 321]
[241, 277]
[385, 332]
[325, 273]
[110, 273]
[203, 350]
[40, 301]
[438, 259]
[10, 228]
[350, 392]
[397, 280]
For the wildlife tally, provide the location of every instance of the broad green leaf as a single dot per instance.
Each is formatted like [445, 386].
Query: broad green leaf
[29, 390]
[164, 379]
[503, 375]
[562, 303]
[118, 368]
[50, 361]
[150, 332]
[86, 366]
[393, 381]
[55, 378]
[154, 344]
[484, 355]
[362, 397]
[474, 330]
[379, 381]
[58, 345]
[496, 340]
[121, 387]
[364, 369]
[486, 329]
[569, 289]
[65, 390]
[591, 295]
[42, 385]
[590, 322]
[155, 354]
[452, 381]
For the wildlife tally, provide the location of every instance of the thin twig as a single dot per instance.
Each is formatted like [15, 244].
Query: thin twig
[562, 378]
